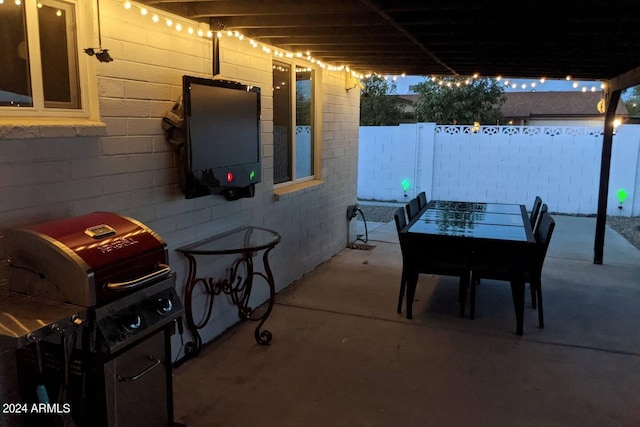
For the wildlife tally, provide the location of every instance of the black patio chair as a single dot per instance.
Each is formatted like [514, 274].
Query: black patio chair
[543, 209]
[533, 272]
[412, 208]
[451, 269]
[422, 199]
[401, 222]
[535, 212]
[534, 227]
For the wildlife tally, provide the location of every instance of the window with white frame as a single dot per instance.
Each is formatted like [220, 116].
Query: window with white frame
[39, 56]
[293, 123]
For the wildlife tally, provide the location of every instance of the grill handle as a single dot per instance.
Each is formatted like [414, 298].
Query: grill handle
[140, 281]
[155, 363]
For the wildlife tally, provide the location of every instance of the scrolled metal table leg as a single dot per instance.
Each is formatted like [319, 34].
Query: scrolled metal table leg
[192, 348]
[264, 337]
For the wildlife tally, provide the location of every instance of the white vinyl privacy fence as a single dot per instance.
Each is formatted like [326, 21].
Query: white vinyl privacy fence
[508, 164]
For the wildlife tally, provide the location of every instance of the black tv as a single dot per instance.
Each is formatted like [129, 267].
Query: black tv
[222, 138]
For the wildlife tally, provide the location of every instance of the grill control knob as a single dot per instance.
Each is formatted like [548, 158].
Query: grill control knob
[130, 322]
[163, 305]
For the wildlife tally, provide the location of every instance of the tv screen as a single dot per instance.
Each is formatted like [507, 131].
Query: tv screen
[222, 124]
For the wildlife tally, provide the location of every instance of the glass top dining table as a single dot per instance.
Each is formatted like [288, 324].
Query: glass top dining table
[452, 237]
[472, 219]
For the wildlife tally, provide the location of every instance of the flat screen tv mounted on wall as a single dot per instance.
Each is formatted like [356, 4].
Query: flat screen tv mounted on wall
[222, 138]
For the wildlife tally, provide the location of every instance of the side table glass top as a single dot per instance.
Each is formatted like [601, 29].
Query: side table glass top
[239, 240]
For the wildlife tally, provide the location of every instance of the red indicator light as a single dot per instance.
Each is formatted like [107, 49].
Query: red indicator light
[229, 177]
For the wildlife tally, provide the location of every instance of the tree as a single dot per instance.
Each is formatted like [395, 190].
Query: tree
[455, 100]
[378, 105]
[632, 102]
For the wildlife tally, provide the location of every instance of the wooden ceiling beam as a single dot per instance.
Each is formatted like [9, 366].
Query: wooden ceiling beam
[623, 81]
[307, 21]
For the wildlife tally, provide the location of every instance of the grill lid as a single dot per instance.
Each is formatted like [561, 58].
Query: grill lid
[85, 260]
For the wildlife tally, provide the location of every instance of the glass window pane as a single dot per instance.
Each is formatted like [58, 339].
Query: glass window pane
[281, 123]
[304, 122]
[58, 55]
[15, 81]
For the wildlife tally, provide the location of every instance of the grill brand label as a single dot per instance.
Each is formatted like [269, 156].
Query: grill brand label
[116, 244]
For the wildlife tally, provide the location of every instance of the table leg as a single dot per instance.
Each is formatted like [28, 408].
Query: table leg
[241, 293]
[264, 337]
[517, 291]
[412, 281]
[192, 348]
[462, 292]
[472, 296]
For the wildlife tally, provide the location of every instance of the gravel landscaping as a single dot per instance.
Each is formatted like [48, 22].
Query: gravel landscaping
[627, 227]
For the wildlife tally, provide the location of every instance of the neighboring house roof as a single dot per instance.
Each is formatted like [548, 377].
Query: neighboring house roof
[556, 104]
[569, 104]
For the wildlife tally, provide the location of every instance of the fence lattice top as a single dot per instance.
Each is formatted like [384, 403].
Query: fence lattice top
[520, 130]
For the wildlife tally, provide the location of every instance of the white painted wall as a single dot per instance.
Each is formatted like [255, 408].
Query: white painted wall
[132, 170]
[500, 164]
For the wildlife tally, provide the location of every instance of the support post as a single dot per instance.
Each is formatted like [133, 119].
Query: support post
[611, 100]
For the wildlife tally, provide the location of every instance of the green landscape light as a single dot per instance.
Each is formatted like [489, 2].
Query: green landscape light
[251, 175]
[622, 195]
[405, 185]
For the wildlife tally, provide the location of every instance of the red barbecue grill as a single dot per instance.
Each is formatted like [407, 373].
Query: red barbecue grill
[107, 355]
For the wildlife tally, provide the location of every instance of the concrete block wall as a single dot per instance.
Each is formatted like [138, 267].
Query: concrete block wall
[386, 159]
[132, 170]
[626, 174]
[501, 164]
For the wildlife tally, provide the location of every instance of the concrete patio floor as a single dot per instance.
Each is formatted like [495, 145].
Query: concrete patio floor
[342, 356]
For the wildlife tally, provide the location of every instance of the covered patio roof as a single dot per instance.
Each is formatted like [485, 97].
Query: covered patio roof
[596, 40]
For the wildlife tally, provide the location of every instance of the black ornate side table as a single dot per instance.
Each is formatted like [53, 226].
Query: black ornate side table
[247, 242]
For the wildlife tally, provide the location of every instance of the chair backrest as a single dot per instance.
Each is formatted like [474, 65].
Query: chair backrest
[535, 212]
[543, 209]
[401, 220]
[543, 234]
[412, 208]
[422, 199]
